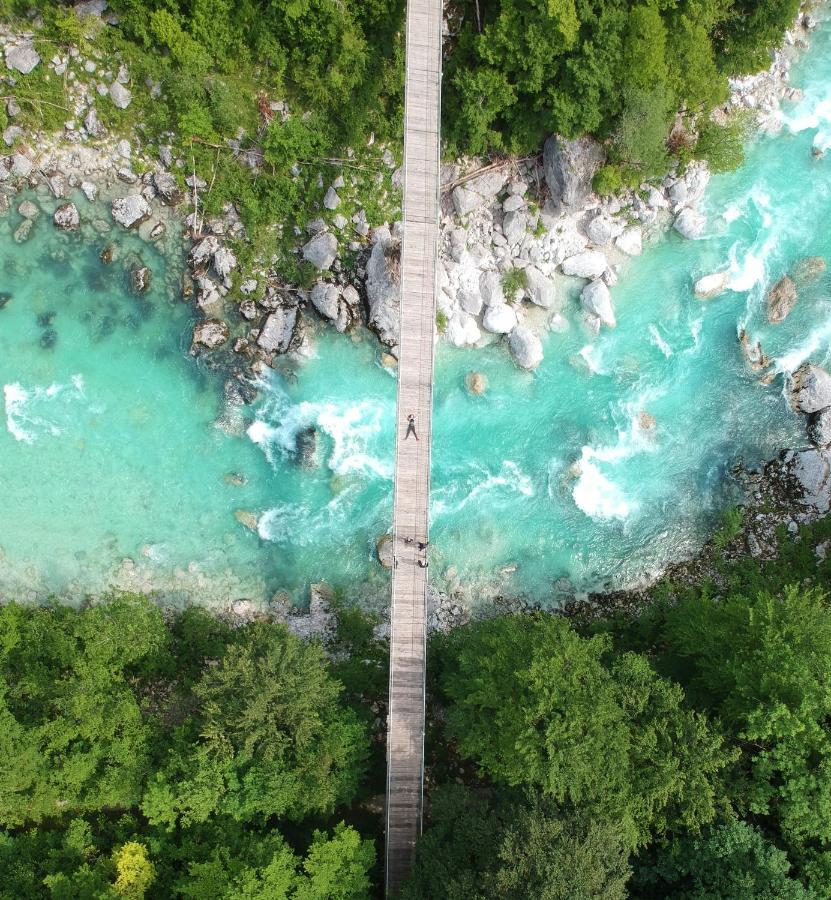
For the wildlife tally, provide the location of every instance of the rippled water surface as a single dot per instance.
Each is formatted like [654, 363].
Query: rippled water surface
[600, 467]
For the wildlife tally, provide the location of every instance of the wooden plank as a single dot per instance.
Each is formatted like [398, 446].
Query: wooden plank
[405, 726]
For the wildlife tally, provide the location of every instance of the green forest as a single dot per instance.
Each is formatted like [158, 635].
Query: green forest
[680, 751]
[206, 72]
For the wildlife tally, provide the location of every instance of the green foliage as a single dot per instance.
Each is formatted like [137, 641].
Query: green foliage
[512, 847]
[731, 525]
[722, 145]
[731, 861]
[535, 704]
[225, 733]
[513, 282]
[607, 181]
[441, 321]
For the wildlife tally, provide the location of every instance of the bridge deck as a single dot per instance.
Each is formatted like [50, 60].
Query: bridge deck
[405, 736]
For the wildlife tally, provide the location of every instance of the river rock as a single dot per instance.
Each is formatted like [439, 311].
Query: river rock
[600, 230]
[210, 333]
[202, 252]
[709, 286]
[22, 232]
[224, 262]
[92, 124]
[140, 277]
[29, 210]
[305, 446]
[321, 250]
[499, 319]
[120, 95]
[540, 289]
[526, 347]
[278, 330]
[819, 428]
[131, 211]
[590, 264]
[631, 241]
[66, 217]
[21, 57]
[476, 382]
[21, 166]
[382, 287]
[569, 167]
[597, 301]
[781, 300]
[810, 469]
[167, 188]
[753, 354]
[811, 389]
[462, 330]
[89, 190]
[809, 268]
[340, 306]
[247, 519]
[384, 549]
[331, 200]
[689, 223]
[478, 192]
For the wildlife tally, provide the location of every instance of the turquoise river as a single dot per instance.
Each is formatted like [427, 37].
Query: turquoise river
[115, 471]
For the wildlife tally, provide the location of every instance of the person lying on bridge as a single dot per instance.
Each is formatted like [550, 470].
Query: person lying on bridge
[411, 427]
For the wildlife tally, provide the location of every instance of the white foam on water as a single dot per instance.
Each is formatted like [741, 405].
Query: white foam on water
[594, 359]
[482, 486]
[352, 428]
[300, 525]
[657, 341]
[732, 213]
[819, 338]
[26, 420]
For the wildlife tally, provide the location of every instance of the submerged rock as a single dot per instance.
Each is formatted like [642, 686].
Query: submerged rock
[305, 445]
[66, 217]
[526, 347]
[247, 519]
[209, 334]
[781, 300]
[29, 210]
[569, 167]
[384, 548]
[753, 354]
[235, 479]
[809, 268]
[5, 299]
[107, 254]
[811, 389]
[23, 230]
[48, 338]
[476, 382]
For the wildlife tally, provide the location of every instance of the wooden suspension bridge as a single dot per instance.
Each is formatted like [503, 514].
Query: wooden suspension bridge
[419, 250]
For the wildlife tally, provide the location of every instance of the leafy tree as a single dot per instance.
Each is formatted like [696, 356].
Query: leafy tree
[733, 862]
[269, 737]
[533, 703]
[134, 871]
[763, 665]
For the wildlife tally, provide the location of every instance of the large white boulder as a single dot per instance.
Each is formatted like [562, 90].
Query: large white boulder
[66, 217]
[597, 301]
[811, 389]
[590, 264]
[630, 241]
[130, 211]
[500, 318]
[120, 95]
[321, 250]
[383, 287]
[21, 57]
[490, 288]
[478, 192]
[709, 286]
[278, 330]
[540, 289]
[462, 330]
[526, 347]
[689, 223]
[569, 167]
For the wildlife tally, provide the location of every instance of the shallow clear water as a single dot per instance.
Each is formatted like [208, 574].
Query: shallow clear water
[111, 451]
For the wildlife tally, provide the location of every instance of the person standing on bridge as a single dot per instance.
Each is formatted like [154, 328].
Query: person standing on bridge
[411, 427]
